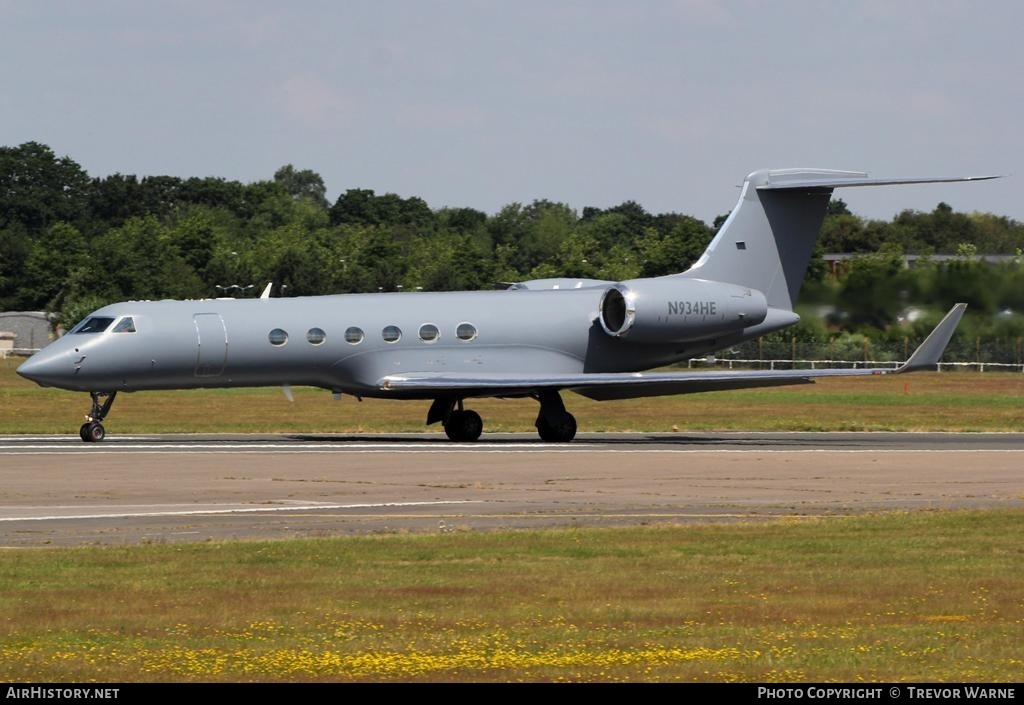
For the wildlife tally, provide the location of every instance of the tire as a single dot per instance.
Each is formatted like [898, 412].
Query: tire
[83, 433]
[464, 426]
[95, 432]
[560, 430]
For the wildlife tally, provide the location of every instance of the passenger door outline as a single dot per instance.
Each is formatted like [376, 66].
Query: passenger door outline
[211, 344]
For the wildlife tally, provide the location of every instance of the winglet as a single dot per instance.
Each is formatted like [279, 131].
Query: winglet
[928, 353]
[266, 291]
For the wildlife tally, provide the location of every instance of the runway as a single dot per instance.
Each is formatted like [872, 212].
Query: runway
[56, 490]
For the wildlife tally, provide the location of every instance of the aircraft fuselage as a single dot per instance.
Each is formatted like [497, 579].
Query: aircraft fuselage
[346, 343]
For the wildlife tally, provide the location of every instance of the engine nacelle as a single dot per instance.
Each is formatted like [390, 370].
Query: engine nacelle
[678, 310]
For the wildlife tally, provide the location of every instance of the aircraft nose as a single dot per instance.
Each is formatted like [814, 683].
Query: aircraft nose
[46, 368]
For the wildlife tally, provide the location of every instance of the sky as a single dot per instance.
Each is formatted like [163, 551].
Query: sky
[482, 103]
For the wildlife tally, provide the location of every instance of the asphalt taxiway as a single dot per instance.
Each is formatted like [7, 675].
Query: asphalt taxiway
[56, 490]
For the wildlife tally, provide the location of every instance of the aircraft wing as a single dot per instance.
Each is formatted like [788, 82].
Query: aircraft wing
[625, 385]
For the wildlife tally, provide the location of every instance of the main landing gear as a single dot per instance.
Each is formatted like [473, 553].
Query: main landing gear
[554, 423]
[461, 425]
[92, 430]
[464, 425]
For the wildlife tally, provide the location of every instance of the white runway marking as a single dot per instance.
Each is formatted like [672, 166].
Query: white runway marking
[64, 438]
[520, 443]
[400, 448]
[666, 435]
[307, 506]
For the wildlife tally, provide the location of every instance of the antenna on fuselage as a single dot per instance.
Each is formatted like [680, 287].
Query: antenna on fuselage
[266, 291]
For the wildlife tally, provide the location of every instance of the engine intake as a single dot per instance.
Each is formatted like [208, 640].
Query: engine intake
[677, 310]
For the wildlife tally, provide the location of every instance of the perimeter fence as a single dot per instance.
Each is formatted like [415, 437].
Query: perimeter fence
[782, 352]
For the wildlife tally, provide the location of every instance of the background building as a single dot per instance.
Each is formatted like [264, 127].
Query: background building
[24, 331]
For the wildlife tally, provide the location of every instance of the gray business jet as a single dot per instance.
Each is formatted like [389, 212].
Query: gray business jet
[534, 339]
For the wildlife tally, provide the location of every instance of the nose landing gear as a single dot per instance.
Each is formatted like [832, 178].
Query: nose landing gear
[92, 430]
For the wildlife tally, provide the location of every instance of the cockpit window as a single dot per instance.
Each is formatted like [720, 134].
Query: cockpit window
[94, 324]
[125, 325]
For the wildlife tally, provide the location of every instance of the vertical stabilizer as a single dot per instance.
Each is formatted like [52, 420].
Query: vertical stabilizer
[767, 240]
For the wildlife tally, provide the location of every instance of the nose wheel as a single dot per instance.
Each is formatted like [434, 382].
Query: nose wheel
[92, 430]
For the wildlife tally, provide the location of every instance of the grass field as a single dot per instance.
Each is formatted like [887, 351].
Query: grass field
[950, 401]
[915, 597]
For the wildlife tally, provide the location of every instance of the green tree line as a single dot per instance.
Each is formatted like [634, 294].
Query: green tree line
[70, 243]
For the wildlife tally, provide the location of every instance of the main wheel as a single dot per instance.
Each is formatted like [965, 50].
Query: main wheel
[83, 432]
[561, 429]
[93, 432]
[464, 426]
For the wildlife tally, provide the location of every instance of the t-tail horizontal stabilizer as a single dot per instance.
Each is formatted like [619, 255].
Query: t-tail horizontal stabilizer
[799, 179]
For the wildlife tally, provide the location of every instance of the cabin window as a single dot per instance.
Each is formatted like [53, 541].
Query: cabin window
[277, 337]
[354, 335]
[429, 333]
[316, 336]
[465, 331]
[93, 324]
[391, 334]
[125, 325]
